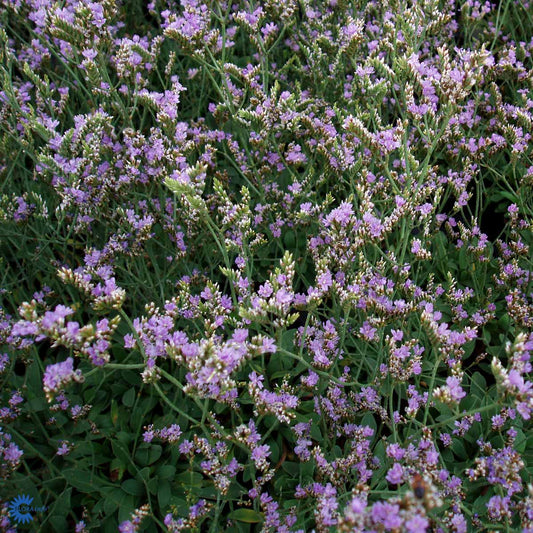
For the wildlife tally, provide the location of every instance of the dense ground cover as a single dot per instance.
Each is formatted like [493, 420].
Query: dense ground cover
[266, 266]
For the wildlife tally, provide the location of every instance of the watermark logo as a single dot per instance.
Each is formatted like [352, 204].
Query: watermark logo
[20, 509]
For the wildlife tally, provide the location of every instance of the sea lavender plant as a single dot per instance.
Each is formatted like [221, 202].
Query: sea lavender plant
[266, 265]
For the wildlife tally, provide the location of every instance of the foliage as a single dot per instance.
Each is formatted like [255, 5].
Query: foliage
[266, 265]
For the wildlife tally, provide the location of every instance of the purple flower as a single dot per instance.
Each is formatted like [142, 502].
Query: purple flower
[395, 451]
[170, 434]
[395, 474]
[417, 524]
[127, 527]
[368, 332]
[498, 508]
[341, 215]
[387, 515]
[454, 387]
[283, 297]
[64, 448]
[12, 453]
[259, 456]
[325, 281]
[149, 434]
[58, 375]
[295, 155]
[4, 361]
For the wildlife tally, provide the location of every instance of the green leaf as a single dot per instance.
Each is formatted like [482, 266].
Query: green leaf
[124, 437]
[275, 450]
[478, 386]
[62, 505]
[126, 508]
[166, 471]
[149, 455]
[128, 398]
[82, 481]
[89, 394]
[248, 516]
[291, 468]
[289, 239]
[153, 485]
[447, 455]
[133, 378]
[316, 433]
[379, 452]
[369, 421]
[116, 498]
[34, 378]
[528, 455]
[469, 348]
[118, 467]
[132, 486]
[480, 505]
[486, 336]
[500, 195]
[114, 412]
[459, 449]
[190, 479]
[143, 475]
[520, 441]
[279, 374]
[121, 452]
[36, 405]
[287, 343]
[163, 494]
[58, 523]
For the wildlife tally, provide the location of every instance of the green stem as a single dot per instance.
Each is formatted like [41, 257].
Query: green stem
[172, 406]
[115, 366]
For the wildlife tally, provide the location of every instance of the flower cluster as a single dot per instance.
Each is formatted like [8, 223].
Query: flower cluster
[267, 263]
[92, 341]
[10, 454]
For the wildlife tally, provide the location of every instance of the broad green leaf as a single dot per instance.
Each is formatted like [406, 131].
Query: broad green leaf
[128, 398]
[121, 452]
[166, 471]
[370, 421]
[478, 385]
[116, 498]
[58, 523]
[143, 474]
[459, 449]
[163, 494]
[83, 481]
[132, 486]
[114, 412]
[248, 516]
[147, 456]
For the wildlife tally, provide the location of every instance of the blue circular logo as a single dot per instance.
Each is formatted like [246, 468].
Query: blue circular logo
[20, 509]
